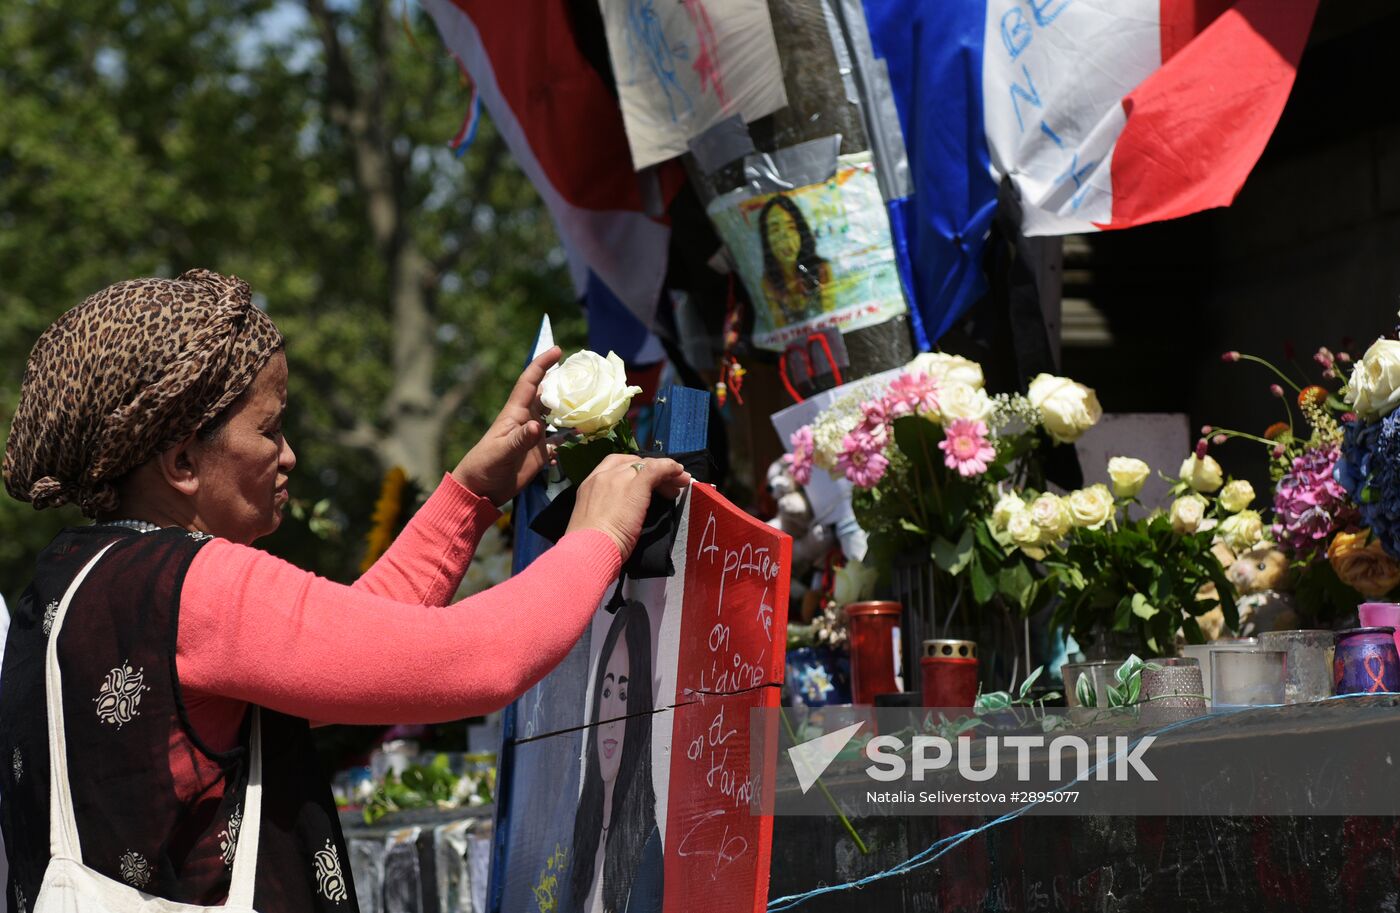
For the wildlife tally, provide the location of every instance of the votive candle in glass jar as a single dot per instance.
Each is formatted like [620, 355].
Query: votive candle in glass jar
[1380, 614]
[1366, 661]
[875, 646]
[1172, 690]
[1309, 668]
[1174, 681]
[1203, 653]
[1098, 678]
[949, 673]
[1247, 678]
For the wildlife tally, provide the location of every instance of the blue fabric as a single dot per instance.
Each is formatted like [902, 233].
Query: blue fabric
[899, 236]
[612, 327]
[933, 49]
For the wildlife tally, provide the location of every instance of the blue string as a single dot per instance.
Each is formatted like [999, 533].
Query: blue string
[945, 845]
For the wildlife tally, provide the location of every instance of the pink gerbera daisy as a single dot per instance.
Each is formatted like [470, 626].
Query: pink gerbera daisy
[862, 459]
[911, 393]
[800, 460]
[966, 448]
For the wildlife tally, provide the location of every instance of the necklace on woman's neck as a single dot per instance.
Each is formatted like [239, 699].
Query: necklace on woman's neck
[141, 526]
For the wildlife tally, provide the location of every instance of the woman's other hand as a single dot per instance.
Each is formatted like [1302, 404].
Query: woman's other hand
[615, 496]
[513, 449]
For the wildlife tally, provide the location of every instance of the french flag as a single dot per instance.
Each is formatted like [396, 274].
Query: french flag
[564, 128]
[1105, 114]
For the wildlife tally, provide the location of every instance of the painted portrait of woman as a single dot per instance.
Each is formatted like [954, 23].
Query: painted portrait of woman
[617, 857]
[796, 280]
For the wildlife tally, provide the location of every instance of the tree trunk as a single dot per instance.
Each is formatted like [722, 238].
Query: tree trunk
[411, 419]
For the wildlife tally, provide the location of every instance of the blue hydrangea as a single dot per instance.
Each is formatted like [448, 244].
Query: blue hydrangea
[1369, 469]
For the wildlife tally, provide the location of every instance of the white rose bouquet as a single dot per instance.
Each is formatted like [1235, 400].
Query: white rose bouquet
[589, 395]
[1143, 575]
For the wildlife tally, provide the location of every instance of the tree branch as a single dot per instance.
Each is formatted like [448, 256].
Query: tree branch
[362, 120]
[456, 395]
[361, 437]
[494, 160]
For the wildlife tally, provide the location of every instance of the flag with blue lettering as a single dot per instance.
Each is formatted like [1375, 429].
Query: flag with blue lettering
[1104, 114]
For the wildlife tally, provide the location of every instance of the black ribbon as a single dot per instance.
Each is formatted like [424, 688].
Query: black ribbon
[652, 555]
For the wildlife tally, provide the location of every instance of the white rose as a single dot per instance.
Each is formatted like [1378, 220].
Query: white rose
[1091, 507]
[587, 392]
[1128, 476]
[1026, 535]
[1374, 389]
[1051, 514]
[1236, 496]
[1187, 513]
[1242, 531]
[959, 400]
[1204, 475]
[1008, 506]
[948, 368]
[1067, 409]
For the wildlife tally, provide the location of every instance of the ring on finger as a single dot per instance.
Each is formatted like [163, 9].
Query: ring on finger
[638, 466]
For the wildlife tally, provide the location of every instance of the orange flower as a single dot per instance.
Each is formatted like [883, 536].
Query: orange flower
[1312, 396]
[1275, 430]
[1362, 564]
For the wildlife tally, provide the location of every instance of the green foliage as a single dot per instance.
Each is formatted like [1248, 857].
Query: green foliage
[147, 138]
[431, 785]
[1140, 577]
[578, 458]
[992, 708]
[1321, 594]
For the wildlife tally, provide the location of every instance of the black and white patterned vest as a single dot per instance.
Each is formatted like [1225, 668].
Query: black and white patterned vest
[127, 729]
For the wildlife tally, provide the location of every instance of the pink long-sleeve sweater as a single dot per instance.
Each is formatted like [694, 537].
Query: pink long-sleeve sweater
[389, 648]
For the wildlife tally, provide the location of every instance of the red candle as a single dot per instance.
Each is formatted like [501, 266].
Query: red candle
[949, 673]
[875, 644]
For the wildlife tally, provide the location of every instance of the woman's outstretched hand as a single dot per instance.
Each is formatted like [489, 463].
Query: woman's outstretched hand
[615, 496]
[513, 449]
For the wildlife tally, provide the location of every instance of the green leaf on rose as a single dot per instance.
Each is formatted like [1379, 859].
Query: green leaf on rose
[954, 558]
[1142, 608]
[1016, 582]
[578, 459]
[982, 587]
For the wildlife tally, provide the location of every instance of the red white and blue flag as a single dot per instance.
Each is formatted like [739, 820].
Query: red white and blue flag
[1104, 113]
[564, 128]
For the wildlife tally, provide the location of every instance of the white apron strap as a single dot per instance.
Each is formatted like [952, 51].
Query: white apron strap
[63, 826]
[245, 854]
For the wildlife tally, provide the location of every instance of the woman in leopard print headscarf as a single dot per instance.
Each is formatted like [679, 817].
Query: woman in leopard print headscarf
[132, 370]
[156, 406]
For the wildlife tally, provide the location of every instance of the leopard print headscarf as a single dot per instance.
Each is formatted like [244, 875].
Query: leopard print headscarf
[131, 371]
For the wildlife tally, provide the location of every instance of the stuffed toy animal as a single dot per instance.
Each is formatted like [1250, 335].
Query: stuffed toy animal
[810, 541]
[1264, 583]
[1262, 578]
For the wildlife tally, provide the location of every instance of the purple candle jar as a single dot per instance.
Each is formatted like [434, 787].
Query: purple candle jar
[1366, 661]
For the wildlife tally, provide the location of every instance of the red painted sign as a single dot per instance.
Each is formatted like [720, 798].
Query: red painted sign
[730, 660]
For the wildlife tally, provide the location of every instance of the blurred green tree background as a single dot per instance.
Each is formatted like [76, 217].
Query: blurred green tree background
[303, 147]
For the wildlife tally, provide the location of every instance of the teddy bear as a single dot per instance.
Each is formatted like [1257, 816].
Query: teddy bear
[1262, 578]
[811, 541]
